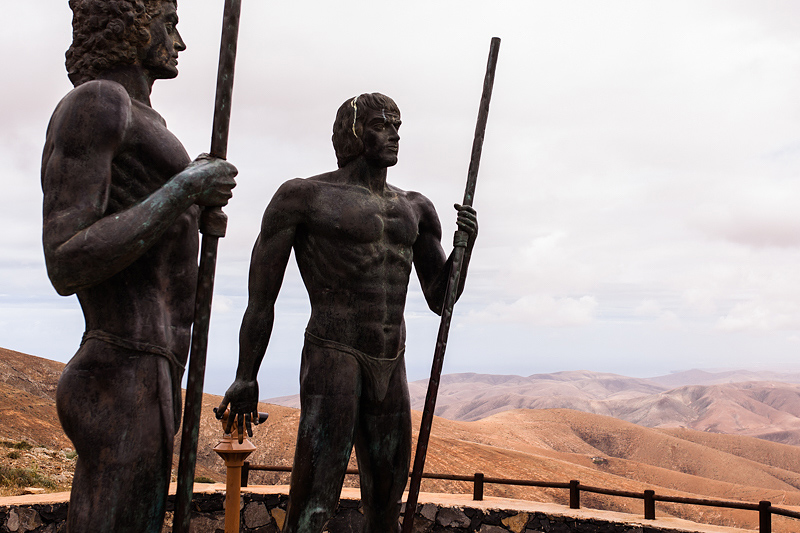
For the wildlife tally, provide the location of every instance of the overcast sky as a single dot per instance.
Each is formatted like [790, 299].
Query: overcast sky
[638, 194]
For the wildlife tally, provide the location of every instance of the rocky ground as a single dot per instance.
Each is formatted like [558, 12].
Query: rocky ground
[25, 469]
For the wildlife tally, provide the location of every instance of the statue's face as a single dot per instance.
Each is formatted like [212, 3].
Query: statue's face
[381, 138]
[161, 56]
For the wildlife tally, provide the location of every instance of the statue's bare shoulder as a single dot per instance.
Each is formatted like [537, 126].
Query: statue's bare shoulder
[299, 195]
[94, 115]
[85, 132]
[293, 197]
[425, 210]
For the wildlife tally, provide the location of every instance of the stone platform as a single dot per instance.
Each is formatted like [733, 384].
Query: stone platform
[263, 511]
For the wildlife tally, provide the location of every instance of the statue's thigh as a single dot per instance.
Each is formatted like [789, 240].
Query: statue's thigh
[329, 372]
[330, 386]
[383, 444]
[390, 417]
[329, 389]
[115, 404]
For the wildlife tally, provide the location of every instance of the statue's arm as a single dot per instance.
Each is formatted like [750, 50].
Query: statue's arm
[432, 267]
[267, 267]
[82, 246]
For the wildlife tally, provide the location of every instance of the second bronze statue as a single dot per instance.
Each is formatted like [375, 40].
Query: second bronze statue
[355, 238]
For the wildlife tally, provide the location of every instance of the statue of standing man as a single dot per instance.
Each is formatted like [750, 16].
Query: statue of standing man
[355, 239]
[121, 205]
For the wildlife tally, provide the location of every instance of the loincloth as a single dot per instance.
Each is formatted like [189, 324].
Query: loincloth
[175, 366]
[375, 371]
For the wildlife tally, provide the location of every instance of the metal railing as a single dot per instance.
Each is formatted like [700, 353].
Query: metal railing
[765, 508]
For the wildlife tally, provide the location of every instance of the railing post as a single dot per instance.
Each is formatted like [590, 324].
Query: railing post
[245, 473]
[574, 494]
[649, 505]
[764, 517]
[477, 487]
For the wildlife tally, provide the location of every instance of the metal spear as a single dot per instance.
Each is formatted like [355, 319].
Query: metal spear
[213, 223]
[460, 243]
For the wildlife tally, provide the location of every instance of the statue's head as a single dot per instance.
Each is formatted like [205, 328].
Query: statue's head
[110, 33]
[349, 125]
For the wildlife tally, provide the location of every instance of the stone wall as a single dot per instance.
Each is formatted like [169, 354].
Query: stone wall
[264, 513]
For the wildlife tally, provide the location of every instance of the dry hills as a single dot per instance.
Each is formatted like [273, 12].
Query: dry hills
[542, 444]
[703, 401]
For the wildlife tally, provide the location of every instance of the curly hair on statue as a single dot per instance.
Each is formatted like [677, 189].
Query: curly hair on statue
[349, 124]
[107, 33]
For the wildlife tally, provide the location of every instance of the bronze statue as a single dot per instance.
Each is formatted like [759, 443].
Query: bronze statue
[355, 238]
[121, 206]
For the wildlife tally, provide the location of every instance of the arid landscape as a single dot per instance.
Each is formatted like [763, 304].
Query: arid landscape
[764, 405]
[544, 443]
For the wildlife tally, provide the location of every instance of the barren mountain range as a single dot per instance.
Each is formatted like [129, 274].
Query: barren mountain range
[543, 444]
[731, 402]
[757, 404]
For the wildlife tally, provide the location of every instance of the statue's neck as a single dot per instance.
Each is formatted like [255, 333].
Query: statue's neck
[361, 172]
[135, 80]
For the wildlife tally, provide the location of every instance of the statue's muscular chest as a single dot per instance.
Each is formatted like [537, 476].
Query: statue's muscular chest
[148, 157]
[353, 214]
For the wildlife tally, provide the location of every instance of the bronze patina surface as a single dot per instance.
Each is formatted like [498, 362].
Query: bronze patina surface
[121, 206]
[355, 238]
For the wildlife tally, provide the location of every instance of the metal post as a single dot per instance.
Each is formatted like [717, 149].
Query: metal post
[477, 487]
[233, 495]
[233, 453]
[574, 494]
[649, 505]
[764, 517]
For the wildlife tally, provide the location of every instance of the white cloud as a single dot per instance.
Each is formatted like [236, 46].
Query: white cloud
[761, 317]
[540, 311]
[699, 299]
[648, 308]
[665, 318]
[756, 212]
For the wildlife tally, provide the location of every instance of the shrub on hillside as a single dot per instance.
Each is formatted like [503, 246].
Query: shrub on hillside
[24, 477]
[21, 445]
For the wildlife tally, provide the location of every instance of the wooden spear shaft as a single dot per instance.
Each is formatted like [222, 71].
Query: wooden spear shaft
[460, 243]
[213, 223]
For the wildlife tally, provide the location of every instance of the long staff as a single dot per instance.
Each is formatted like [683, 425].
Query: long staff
[460, 243]
[213, 223]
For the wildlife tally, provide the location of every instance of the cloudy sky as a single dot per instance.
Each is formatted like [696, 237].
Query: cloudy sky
[637, 197]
